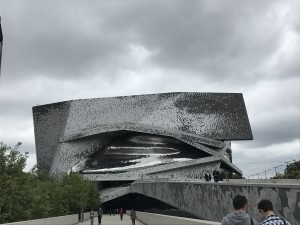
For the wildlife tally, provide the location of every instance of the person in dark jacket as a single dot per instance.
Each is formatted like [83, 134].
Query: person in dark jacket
[216, 174]
[100, 213]
[207, 176]
[239, 216]
[133, 216]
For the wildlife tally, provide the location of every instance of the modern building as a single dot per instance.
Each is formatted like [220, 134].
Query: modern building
[121, 139]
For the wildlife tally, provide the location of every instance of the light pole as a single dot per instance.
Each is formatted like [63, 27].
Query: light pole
[266, 173]
[276, 170]
[1, 43]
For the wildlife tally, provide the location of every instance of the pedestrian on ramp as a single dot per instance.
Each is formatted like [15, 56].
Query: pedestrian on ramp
[100, 213]
[92, 217]
[133, 216]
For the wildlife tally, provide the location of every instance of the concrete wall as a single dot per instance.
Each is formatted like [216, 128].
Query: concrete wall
[214, 200]
[265, 181]
[114, 193]
[60, 220]
[158, 219]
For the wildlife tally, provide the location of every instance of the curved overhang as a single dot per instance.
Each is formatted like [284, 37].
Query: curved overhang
[151, 172]
[191, 139]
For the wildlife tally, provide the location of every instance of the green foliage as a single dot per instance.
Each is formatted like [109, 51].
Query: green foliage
[33, 195]
[79, 192]
[292, 167]
[292, 171]
[12, 164]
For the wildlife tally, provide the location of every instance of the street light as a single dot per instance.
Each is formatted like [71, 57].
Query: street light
[1, 43]
[276, 170]
[266, 173]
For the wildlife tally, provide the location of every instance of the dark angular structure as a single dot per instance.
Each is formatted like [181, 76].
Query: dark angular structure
[143, 136]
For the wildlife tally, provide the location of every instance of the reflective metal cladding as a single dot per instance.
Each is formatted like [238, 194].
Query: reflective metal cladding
[159, 134]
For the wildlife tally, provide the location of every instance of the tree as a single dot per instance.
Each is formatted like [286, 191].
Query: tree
[12, 163]
[292, 171]
[80, 192]
[94, 200]
[34, 195]
[292, 167]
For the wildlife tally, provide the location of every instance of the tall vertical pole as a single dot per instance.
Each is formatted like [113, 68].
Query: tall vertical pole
[1, 43]
[275, 171]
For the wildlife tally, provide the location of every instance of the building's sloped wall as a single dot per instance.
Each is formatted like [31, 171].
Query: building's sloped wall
[212, 201]
[114, 194]
[49, 125]
[72, 153]
[191, 172]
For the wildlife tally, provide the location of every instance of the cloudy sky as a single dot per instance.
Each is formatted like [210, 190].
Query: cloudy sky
[61, 50]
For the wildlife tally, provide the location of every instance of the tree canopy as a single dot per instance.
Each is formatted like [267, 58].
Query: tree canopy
[35, 194]
[292, 171]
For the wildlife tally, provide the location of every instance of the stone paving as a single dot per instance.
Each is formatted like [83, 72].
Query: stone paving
[112, 220]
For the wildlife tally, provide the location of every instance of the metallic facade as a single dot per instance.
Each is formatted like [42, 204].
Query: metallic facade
[126, 138]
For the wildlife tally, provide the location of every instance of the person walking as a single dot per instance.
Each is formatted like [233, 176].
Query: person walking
[100, 213]
[133, 216]
[121, 212]
[92, 217]
[239, 215]
[216, 174]
[265, 208]
[207, 176]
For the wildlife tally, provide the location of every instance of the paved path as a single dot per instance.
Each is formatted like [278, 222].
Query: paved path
[112, 220]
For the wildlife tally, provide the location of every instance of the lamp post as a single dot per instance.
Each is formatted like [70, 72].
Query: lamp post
[266, 173]
[276, 170]
[1, 43]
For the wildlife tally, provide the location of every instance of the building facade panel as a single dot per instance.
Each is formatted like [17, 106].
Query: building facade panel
[71, 134]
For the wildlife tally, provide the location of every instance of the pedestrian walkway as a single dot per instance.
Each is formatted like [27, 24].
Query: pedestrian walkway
[112, 220]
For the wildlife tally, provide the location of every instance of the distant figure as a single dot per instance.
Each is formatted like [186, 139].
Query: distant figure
[92, 216]
[100, 213]
[121, 212]
[79, 214]
[239, 216]
[265, 208]
[133, 216]
[207, 176]
[216, 175]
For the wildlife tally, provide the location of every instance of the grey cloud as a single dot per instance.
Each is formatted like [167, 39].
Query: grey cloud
[219, 41]
[222, 43]
[53, 48]
[43, 42]
[276, 131]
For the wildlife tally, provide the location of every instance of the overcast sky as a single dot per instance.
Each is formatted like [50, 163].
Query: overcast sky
[61, 50]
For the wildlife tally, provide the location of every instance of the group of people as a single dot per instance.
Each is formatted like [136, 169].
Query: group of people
[92, 215]
[216, 175]
[132, 215]
[240, 215]
[120, 211]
